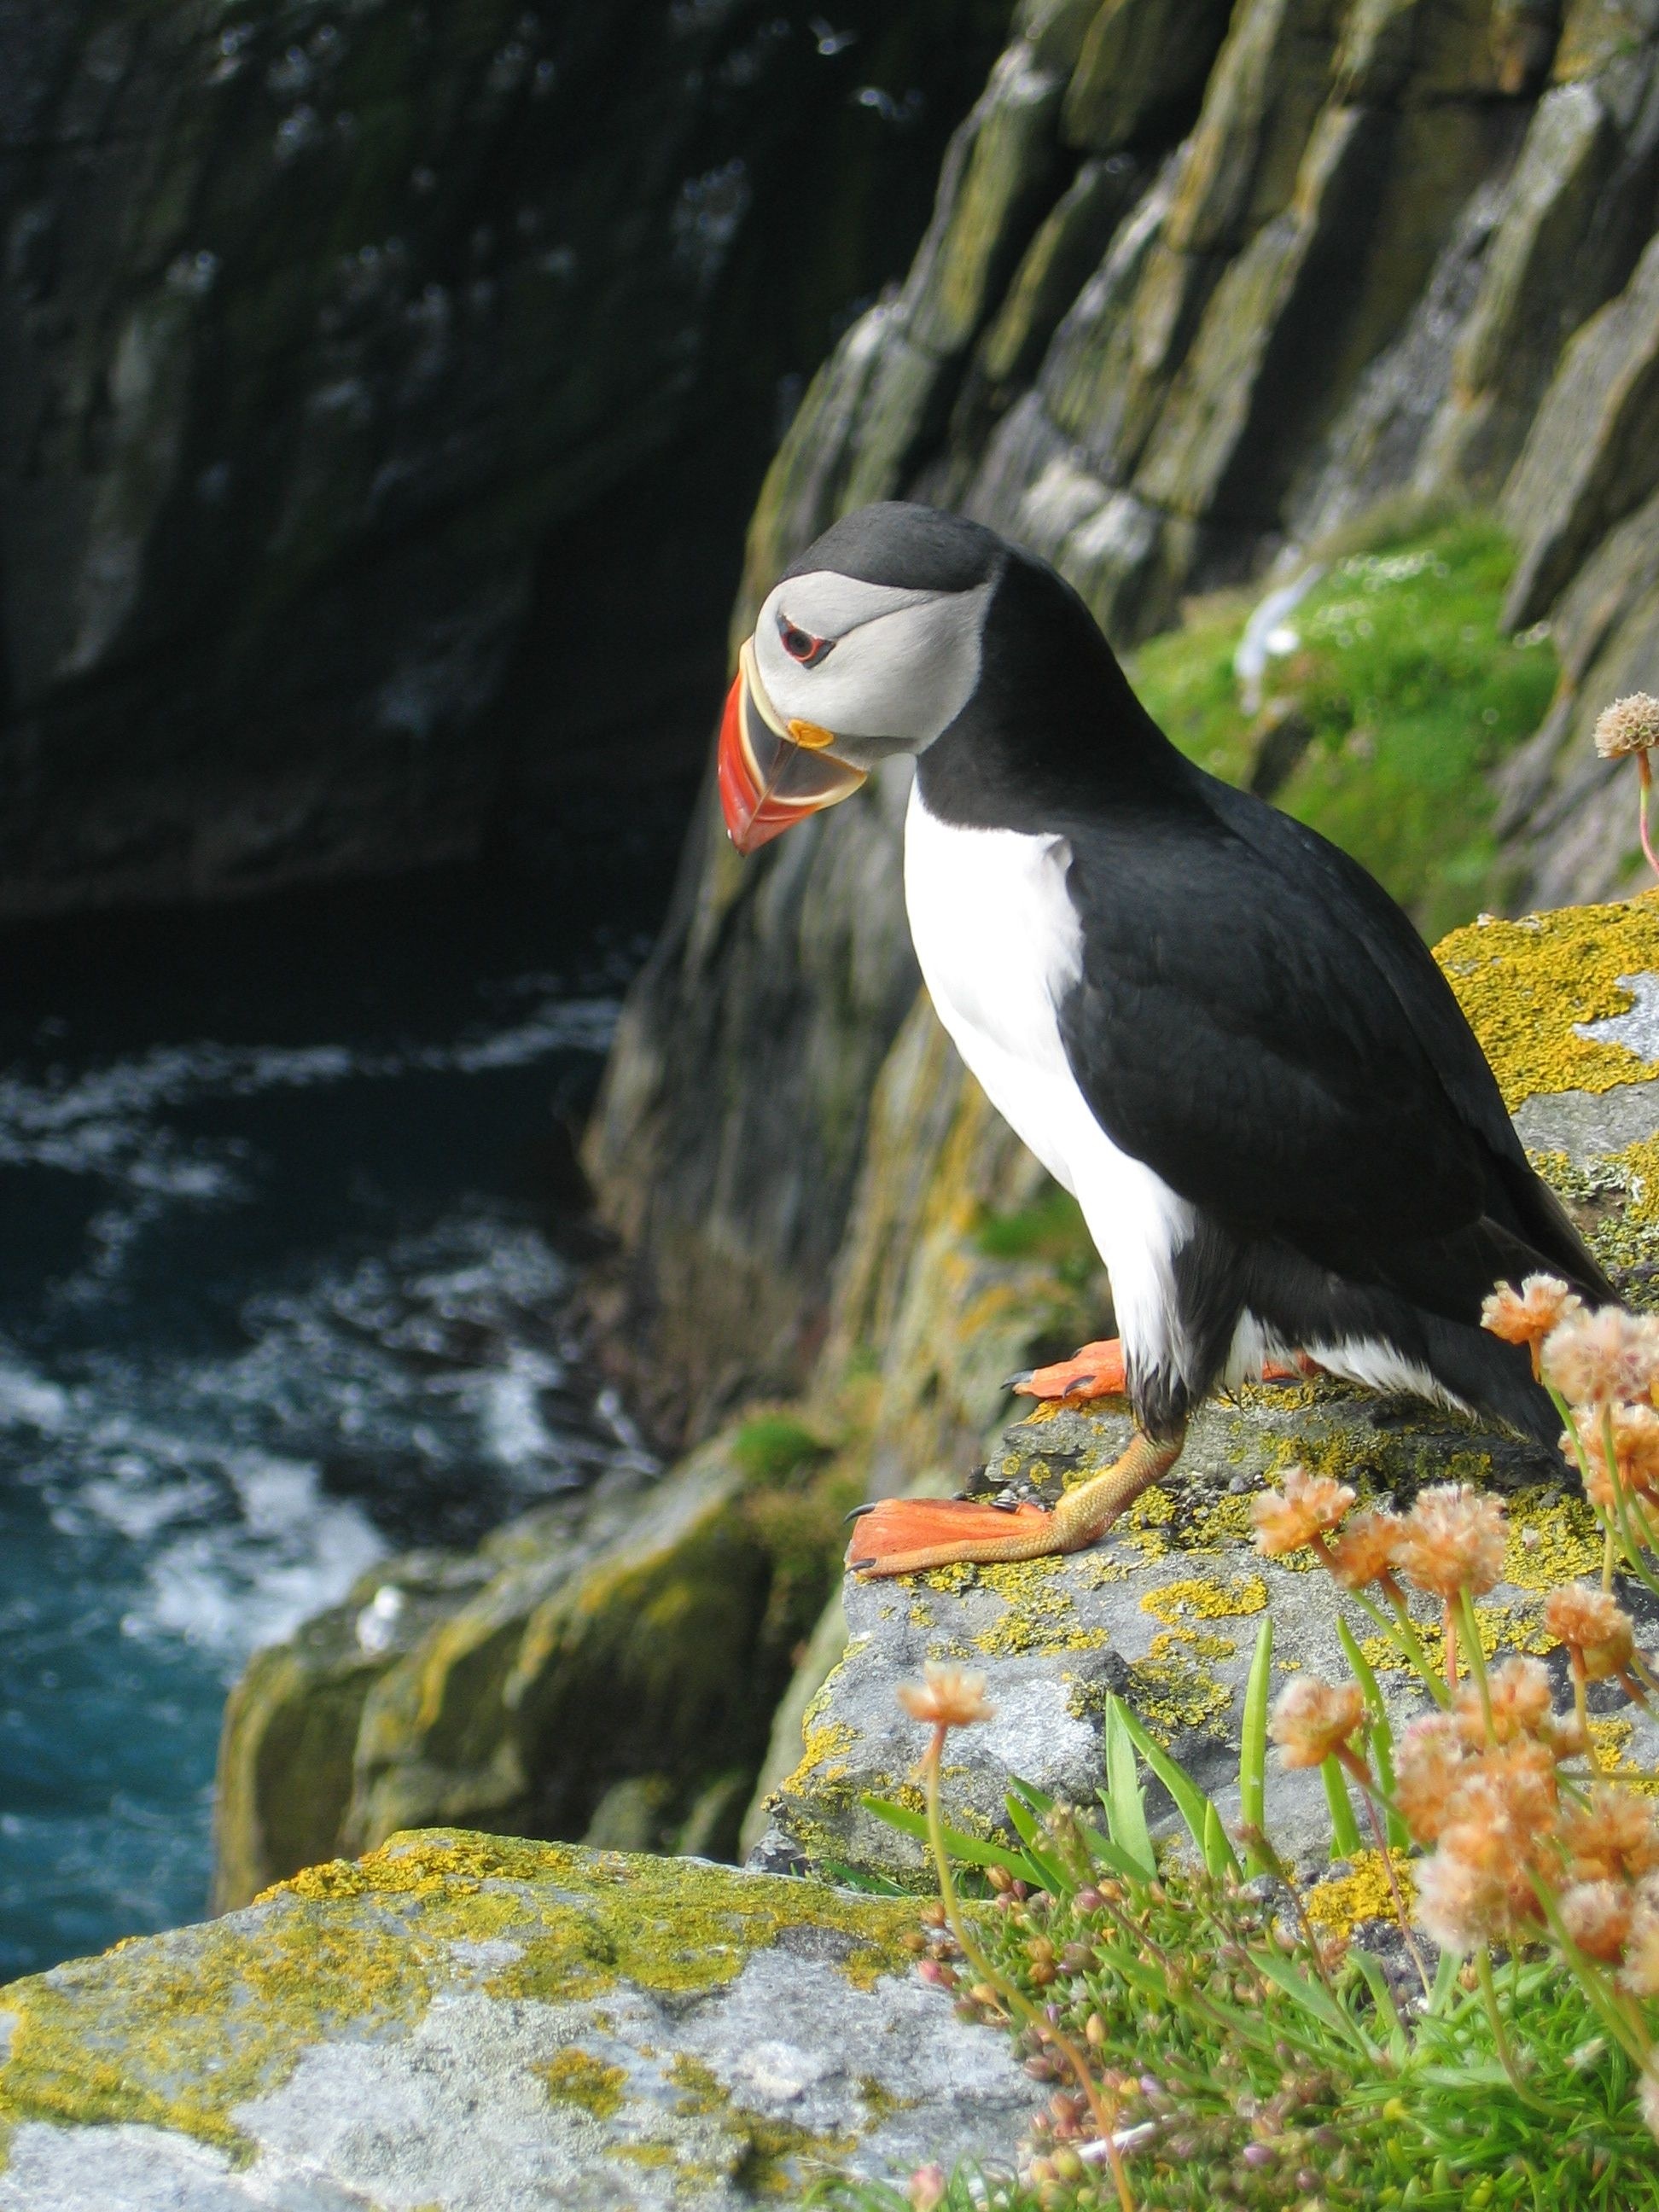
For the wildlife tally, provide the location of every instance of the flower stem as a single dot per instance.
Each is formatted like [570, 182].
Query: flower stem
[1499, 2032]
[1103, 2111]
[1369, 1793]
[1581, 1704]
[1401, 1632]
[1645, 773]
[1475, 1651]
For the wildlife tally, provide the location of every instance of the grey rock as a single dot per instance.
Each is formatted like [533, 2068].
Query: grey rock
[1165, 1613]
[777, 2034]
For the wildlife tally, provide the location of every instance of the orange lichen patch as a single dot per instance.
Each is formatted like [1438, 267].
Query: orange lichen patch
[1526, 986]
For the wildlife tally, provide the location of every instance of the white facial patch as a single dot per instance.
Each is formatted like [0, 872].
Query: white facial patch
[904, 664]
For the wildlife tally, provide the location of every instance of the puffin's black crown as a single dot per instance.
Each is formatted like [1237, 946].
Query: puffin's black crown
[912, 548]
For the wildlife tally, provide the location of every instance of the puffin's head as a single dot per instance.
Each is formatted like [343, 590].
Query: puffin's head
[869, 646]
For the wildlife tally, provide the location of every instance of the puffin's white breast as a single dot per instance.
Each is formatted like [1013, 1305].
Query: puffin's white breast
[1000, 945]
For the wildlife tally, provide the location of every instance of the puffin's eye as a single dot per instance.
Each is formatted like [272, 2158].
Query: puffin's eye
[800, 645]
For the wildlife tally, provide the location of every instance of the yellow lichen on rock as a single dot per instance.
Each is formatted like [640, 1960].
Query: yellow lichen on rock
[1362, 1893]
[1173, 1692]
[1205, 1597]
[772, 2151]
[1554, 1537]
[1528, 986]
[576, 2077]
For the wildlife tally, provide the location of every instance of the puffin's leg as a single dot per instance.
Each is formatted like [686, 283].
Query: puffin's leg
[1097, 1371]
[902, 1536]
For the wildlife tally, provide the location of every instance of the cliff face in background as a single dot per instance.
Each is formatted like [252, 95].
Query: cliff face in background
[1203, 289]
[382, 391]
[1206, 298]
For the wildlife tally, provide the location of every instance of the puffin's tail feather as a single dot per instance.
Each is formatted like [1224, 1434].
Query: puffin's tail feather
[1495, 1378]
[1421, 1302]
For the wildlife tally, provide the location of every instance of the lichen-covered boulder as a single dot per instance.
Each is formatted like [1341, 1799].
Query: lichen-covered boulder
[466, 2025]
[1166, 1611]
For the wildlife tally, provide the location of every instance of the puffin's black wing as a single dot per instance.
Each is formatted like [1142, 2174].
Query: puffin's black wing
[1259, 1022]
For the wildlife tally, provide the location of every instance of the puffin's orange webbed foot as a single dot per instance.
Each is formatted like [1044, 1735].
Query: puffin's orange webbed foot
[1097, 1371]
[906, 1535]
[903, 1536]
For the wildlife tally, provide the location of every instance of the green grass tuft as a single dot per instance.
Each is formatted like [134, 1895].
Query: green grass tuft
[1410, 694]
[773, 1447]
[1050, 1228]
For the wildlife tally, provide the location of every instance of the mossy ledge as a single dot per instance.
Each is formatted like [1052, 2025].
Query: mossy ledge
[177, 2031]
[461, 2020]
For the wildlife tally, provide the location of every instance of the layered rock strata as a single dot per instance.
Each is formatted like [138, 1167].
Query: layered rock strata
[1203, 289]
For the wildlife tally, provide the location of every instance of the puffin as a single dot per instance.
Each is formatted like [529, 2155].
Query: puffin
[1210, 1024]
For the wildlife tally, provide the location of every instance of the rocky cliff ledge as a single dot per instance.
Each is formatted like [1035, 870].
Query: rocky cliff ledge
[608, 1671]
[473, 2026]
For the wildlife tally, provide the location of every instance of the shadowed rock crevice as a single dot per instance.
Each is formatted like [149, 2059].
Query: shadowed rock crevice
[333, 349]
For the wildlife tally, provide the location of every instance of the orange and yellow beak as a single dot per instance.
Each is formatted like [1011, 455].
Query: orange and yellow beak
[773, 774]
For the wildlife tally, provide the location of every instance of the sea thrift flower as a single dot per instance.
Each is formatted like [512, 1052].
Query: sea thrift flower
[1641, 1973]
[1308, 1505]
[1635, 1448]
[927, 2187]
[1519, 1693]
[1612, 1838]
[1503, 1810]
[1362, 1553]
[1600, 1358]
[1630, 724]
[1595, 1628]
[1312, 1719]
[1452, 1540]
[949, 1697]
[1428, 1763]
[1528, 1316]
[1597, 1916]
[1459, 1906]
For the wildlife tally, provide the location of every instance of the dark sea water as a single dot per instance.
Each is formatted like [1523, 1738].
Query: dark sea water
[288, 1209]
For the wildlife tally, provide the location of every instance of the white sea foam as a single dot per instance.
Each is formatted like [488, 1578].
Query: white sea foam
[27, 1400]
[101, 1120]
[252, 1581]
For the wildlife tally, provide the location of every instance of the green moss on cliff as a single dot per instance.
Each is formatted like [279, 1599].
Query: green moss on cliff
[1399, 697]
